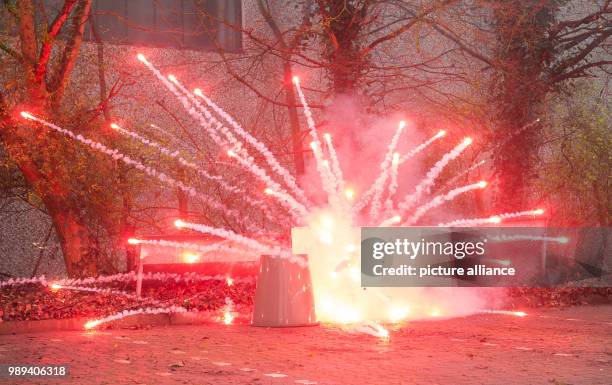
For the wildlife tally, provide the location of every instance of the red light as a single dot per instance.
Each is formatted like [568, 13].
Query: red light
[26, 115]
[91, 324]
[55, 286]
[190, 257]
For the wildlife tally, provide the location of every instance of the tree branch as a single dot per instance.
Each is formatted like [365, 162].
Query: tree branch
[71, 51]
[47, 45]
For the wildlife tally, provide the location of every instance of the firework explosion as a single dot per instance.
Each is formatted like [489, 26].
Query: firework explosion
[333, 224]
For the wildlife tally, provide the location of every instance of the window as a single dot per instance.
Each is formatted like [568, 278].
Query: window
[195, 24]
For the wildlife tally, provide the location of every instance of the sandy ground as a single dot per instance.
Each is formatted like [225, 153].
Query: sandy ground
[570, 346]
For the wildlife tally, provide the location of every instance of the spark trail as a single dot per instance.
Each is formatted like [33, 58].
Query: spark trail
[261, 147]
[440, 199]
[366, 197]
[184, 162]
[432, 174]
[326, 175]
[385, 172]
[196, 110]
[492, 219]
[240, 153]
[205, 249]
[115, 154]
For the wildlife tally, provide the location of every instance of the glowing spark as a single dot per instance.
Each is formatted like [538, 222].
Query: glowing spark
[495, 220]
[482, 184]
[295, 80]
[401, 125]
[228, 318]
[231, 154]
[190, 257]
[538, 211]
[91, 324]
[179, 223]
[229, 281]
[519, 313]
[55, 286]
[440, 134]
[349, 193]
[467, 141]
[394, 220]
[396, 158]
[172, 78]
[133, 241]
[114, 126]
[142, 58]
[26, 115]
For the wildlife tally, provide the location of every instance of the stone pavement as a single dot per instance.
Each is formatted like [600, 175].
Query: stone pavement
[570, 346]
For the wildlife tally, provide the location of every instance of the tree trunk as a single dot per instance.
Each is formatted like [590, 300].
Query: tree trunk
[518, 91]
[78, 246]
